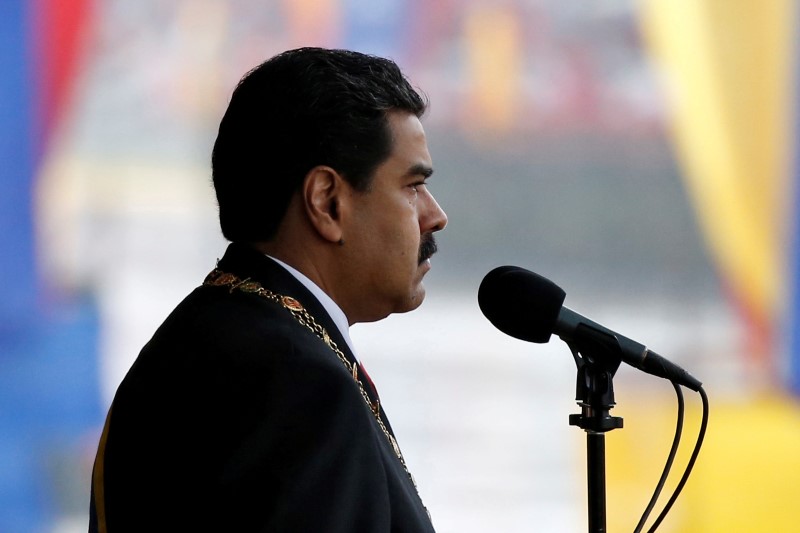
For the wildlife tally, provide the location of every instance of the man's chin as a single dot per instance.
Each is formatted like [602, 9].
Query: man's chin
[417, 296]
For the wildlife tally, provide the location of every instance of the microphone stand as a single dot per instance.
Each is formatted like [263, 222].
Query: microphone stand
[597, 360]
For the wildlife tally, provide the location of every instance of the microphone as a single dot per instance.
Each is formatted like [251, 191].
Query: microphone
[529, 307]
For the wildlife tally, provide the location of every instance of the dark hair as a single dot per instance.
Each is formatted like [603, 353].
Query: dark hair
[297, 110]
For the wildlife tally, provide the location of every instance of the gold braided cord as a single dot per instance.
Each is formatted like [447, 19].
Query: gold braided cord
[218, 278]
[99, 477]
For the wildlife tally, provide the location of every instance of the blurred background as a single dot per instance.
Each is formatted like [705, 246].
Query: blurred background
[641, 154]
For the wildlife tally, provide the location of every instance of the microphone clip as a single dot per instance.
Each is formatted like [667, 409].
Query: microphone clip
[597, 357]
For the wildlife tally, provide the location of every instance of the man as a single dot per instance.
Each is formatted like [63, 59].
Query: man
[248, 410]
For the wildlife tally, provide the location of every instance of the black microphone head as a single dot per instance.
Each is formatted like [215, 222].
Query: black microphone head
[520, 303]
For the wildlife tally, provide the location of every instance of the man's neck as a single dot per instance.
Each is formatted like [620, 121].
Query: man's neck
[334, 311]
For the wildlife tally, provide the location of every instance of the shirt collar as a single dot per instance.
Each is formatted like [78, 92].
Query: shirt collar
[335, 312]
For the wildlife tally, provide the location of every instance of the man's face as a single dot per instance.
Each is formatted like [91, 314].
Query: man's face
[389, 237]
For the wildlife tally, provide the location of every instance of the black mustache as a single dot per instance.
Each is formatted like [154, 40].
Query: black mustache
[427, 247]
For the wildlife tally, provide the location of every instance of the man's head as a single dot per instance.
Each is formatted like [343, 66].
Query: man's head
[321, 161]
[301, 109]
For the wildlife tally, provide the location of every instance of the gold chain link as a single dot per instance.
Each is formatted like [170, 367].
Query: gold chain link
[218, 278]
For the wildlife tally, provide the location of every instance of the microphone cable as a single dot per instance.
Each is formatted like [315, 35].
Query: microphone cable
[671, 458]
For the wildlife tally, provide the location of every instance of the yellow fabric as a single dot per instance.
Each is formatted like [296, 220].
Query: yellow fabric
[494, 62]
[727, 69]
[745, 479]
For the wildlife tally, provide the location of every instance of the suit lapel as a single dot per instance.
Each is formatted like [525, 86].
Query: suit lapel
[246, 262]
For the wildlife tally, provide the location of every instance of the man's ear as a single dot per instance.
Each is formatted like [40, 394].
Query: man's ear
[322, 197]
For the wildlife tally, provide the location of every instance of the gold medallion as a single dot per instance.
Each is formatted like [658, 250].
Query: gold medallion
[291, 304]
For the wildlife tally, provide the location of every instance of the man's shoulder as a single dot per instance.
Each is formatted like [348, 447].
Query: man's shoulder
[213, 306]
[215, 340]
[232, 321]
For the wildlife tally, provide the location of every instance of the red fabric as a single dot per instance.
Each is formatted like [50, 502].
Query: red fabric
[58, 42]
[363, 372]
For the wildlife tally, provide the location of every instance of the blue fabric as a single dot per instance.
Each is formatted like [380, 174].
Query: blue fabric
[49, 398]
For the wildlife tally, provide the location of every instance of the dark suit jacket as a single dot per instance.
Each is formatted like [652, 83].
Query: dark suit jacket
[235, 417]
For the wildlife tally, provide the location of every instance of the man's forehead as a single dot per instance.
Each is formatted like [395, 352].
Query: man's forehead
[408, 140]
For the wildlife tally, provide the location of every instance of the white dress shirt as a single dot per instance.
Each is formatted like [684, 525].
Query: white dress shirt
[335, 312]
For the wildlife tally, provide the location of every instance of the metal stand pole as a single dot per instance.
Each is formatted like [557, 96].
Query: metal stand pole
[596, 477]
[597, 363]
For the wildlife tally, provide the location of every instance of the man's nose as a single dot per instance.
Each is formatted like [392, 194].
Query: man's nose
[436, 218]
